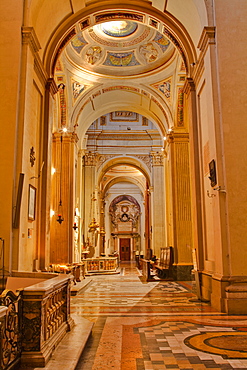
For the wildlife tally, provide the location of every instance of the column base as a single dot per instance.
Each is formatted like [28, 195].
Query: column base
[182, 272]
[226, 293]
[236, 299]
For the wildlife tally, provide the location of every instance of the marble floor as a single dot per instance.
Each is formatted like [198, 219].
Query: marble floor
[156, 325]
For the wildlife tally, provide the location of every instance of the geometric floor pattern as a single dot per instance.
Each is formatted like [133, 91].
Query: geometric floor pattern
[157, 325]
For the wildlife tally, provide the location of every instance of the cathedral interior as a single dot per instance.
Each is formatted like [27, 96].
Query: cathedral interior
[122, 193]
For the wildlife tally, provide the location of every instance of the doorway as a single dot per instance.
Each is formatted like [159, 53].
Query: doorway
[124, 249]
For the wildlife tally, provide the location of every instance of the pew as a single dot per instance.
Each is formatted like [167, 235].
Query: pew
[164, 266]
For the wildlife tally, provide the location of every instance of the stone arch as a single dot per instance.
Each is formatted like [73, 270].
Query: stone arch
[103, 101]
[121, 179]
[123, 197]
[130, 161]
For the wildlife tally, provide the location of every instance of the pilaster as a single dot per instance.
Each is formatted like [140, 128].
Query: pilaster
[181, 195]
[63, 198]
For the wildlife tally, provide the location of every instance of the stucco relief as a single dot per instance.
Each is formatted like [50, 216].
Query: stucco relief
[145, 159]
[149, 52]
[93, 54]
[124, 212]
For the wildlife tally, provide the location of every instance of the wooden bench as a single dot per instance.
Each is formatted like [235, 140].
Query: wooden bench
[164, 266]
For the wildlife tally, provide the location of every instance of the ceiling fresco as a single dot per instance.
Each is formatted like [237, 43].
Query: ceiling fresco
[128, 46]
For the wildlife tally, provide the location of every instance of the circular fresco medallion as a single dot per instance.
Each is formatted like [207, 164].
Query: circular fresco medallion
[119, 28]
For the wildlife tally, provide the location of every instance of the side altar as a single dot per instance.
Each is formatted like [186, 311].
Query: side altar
[101, 264]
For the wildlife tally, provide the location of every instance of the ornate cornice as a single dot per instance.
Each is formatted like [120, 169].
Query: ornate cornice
[189, 86]
[178, 137]
[29, 37]
[51, 86]
[207, 38]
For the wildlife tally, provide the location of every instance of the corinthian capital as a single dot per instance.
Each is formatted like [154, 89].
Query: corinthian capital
[91, 159]
[157, 158]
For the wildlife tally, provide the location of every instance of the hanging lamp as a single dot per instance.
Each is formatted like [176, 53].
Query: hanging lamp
[60, 218]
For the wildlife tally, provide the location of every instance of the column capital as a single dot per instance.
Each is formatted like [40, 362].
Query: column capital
[189, 86]
[157, 158]
[68, 136]
[91, 158]
[177, 137]
[51, 86]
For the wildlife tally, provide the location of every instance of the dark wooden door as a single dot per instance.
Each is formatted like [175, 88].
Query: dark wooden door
[125, 249]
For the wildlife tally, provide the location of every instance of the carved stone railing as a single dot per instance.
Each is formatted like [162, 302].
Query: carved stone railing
[34, 321]
[10, 338]
[45, 318]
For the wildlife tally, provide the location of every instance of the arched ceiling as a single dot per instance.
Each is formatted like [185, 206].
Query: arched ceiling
[119, 48]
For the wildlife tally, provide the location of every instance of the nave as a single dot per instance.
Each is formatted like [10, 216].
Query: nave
[156, 325]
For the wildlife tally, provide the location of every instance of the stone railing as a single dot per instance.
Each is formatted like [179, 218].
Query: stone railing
[45, 318]
[34, 322]
[10, 343]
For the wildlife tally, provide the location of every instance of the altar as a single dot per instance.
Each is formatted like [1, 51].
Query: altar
[101, 264]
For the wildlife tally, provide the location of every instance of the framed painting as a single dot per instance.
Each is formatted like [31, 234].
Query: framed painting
[31, 202]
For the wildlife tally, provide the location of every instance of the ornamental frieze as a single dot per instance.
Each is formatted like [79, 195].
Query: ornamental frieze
[145, 159]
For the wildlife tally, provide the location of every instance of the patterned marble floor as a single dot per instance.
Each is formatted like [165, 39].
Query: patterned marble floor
[156, 325]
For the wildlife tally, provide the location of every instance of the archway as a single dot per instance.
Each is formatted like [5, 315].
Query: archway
[95, 81]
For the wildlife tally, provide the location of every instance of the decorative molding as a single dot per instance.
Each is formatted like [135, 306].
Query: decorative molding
[124, 116]
[119, 15]
[40, 70]
[189, 86]
[145, 159]
[30, 38]
[207, 38]
[180, 107]
[51, 86]
[103, 158]
[178, 137]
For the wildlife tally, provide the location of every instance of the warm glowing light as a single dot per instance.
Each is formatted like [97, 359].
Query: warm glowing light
[53, 170]
[118, 28]
[52, 213]
[116, 25]
[65, 129]
[165, 138]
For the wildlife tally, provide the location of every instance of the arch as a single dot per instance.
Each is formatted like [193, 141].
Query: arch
[105, 100]
[165, 22]
[123, 197]
[123, 179]
[130, 161]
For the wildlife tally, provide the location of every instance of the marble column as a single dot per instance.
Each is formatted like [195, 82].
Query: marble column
[158, 223]
[147, 218]
[90, 197]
